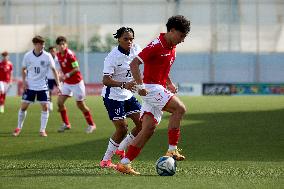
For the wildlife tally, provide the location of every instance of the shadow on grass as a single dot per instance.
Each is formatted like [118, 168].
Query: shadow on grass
[230, 136]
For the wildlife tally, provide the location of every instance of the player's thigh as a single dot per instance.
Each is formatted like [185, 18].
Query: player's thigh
[174, 104]
[120, 124]
[61, 99]
[24, 106]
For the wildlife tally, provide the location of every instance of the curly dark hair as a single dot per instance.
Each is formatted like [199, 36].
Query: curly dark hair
[179, 23]
[60, 39]
[121, 30]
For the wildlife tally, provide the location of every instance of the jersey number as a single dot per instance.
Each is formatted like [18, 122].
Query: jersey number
[128, 74]
[37, 70]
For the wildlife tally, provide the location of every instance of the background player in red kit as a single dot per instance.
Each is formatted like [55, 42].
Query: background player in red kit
[6, 69]
[73, 85]
[157, 91]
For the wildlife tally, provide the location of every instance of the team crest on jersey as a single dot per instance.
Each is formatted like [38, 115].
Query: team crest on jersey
[42, 63]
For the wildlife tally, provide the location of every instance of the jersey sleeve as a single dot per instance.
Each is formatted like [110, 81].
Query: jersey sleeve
[51, 61]
[57, 65]
[147, 53]
[109, 65]
[24, 62]
[73, 60]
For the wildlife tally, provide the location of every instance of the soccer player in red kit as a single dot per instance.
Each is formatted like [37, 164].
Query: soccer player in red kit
[6, 68]
[73, 85]
[157, 91]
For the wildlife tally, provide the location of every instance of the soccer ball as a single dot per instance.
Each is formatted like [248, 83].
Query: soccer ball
[166, 166]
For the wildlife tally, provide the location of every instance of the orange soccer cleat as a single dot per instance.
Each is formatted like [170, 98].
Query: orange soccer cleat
[175, 154]
[126, 169]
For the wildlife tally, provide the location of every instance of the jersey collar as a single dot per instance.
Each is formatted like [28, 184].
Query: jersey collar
[123, 51]
[38, 54]
[164, 42]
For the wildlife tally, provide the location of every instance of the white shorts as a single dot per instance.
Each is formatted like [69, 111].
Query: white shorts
[78, 90]
[3, 86]
[154, 102]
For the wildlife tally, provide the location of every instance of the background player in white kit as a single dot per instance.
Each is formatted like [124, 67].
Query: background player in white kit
[118, 98]
[50, 77]
[34, 74]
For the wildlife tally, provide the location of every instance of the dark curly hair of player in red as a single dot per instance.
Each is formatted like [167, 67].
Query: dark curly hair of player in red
[179, 23]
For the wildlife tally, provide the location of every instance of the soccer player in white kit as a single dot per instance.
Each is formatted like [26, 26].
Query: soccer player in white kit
[34, 74]
[117, 94]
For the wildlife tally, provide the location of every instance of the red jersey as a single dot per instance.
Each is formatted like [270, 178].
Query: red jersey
[68, 62]
[6, 69]
[157, 58]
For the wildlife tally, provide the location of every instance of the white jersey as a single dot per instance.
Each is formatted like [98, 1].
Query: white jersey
[116, 64]
[57, 67]
[37, 68]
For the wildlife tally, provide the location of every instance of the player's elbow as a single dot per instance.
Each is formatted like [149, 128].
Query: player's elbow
[105, 80]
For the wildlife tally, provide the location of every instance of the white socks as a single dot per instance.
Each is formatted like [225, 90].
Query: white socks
[21, 118]
[171, 147]
[126, 142]
[125, 161]
[112, 146]
[43, 120]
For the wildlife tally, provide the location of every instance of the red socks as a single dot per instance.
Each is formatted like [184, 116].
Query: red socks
[88, 118]
[173, 136]
[2, 99]
[132, 152]
[64, 117]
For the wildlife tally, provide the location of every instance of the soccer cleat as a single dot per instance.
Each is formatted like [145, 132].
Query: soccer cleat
[63, 128]
[90, 129]
[126, 169]
[120, 153]
[16, 132]
[175, 154]
[107, 164]
[43, 134]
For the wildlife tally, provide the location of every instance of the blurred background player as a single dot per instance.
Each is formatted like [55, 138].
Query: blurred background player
[117, 96]
[6, 68]
[34, 74]
[50, 78]
[73, 84]
[157, 91]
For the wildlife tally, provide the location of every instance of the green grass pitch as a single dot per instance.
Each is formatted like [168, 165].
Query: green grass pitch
[229, 142]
